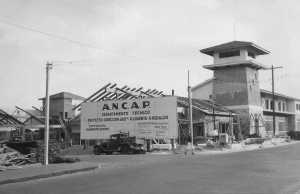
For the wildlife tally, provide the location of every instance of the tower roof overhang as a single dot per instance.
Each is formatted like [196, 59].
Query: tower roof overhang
[235, 45]
[241, 63]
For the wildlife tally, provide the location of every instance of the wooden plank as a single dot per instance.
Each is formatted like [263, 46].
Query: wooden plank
[160, 93]
[107, 93]
[38, 110]
[11, 118]
[127, 92]
[98, 96]
[92, 95]
[33, 116]
[146, 93]
[117, 96]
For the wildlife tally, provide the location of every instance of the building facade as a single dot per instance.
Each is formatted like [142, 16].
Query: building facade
[235, 85]
[62, 104]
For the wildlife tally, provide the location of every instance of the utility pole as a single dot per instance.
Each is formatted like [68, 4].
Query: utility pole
[213, 111]
[190, 109]
[46, 137]
[273, 97]
[213, 98]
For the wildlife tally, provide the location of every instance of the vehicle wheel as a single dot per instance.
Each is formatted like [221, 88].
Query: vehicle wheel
[98, 151]
[125, 149]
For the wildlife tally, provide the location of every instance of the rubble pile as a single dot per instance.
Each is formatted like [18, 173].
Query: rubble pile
[10, 158]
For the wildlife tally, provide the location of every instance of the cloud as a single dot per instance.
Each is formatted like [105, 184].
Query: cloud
[147, 43]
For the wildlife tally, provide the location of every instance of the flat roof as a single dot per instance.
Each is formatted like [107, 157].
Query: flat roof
[65, 95]
[235, 45]
[250, 63]
[263, 91]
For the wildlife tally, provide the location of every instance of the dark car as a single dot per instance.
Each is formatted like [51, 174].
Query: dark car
[121, 143]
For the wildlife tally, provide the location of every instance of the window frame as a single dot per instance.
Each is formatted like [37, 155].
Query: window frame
[227, 54]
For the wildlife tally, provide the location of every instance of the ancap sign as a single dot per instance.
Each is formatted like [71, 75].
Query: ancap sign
[144, 118]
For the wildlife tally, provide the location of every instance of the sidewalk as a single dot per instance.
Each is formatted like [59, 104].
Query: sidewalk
[37, 172]
[238, 147]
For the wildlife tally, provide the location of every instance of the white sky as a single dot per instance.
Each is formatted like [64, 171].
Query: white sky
[137, 43]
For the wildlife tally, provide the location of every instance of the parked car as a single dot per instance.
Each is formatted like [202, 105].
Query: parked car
[121, 143]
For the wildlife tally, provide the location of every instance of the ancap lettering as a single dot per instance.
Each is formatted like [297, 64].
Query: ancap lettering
[126, 105]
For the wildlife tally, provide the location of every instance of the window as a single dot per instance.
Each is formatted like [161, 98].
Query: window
[272, 104]
[66, 115]
[250, 54]
[283, 106]
[229, 54]
[298, 107]
[267, 104]
[279, 106]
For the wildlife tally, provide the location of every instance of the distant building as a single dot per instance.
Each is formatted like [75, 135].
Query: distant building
[62, 112]
[235, 85]
[62, 104]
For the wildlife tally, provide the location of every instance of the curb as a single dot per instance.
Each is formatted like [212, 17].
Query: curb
[40, 176]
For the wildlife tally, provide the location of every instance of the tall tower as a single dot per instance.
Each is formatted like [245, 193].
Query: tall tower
[236, 83]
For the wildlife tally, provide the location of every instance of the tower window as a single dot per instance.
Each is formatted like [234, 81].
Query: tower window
[229, 54]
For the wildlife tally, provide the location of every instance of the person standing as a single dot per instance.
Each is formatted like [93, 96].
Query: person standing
[189, 148]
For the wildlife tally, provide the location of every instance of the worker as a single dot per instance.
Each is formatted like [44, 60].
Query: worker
[189, 148]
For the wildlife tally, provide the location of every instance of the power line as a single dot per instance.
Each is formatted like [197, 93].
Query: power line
[51, 35]
[7, 21]
[4, 20]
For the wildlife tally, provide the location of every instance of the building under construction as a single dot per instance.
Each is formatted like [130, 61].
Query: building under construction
[209, 118]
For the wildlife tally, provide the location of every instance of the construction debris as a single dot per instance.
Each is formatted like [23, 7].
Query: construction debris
[12, 159]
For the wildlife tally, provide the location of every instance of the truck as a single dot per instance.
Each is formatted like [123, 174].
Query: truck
[121, 143]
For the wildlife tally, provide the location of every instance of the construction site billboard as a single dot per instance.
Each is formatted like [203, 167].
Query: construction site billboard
[143, 118]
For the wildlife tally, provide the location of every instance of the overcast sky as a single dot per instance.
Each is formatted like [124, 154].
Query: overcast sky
[136, 43]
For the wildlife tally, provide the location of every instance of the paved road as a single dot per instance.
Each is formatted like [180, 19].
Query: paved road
[275, 170]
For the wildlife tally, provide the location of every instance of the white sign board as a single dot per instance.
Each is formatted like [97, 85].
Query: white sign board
[143, 118]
